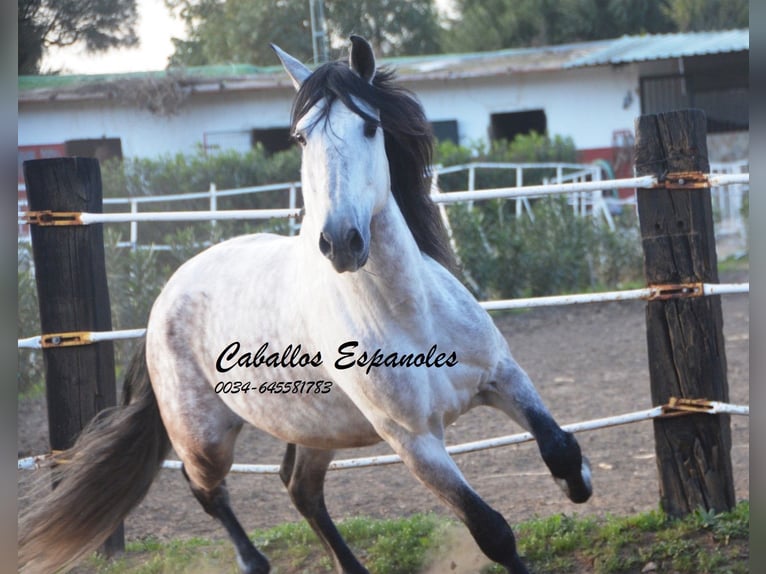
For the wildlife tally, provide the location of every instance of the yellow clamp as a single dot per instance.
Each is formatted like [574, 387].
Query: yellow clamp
[72, 339]
[667, 291]
[677, 406]
[48, 217]
[683, 180]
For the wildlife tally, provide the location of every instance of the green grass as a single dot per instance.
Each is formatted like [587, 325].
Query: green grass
[703, 542]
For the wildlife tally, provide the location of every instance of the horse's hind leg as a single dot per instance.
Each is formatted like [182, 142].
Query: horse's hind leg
[513, 393]
[216, 503]
[205, 445]
[303, 472]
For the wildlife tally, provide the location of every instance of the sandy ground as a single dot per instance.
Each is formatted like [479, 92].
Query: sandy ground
[587, 362]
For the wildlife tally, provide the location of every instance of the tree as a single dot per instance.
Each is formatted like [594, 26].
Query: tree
[393, 27]
[490, 25]
[498, 24]
[239, 31]
[700, 15]
[98, 24]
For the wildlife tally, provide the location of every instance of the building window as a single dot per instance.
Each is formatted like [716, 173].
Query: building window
[506, 126]
[100, 148]
[446, 130]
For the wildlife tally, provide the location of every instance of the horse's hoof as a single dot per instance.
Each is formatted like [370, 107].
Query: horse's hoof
[578, 489]
[253, 564]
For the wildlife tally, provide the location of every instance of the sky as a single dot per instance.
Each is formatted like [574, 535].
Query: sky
[156, 27]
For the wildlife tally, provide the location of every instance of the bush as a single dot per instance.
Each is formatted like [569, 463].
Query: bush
[559, 252]
[177, 174]
[188, 173]
[505, 256]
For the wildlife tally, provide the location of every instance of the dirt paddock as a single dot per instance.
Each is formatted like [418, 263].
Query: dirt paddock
[587, 362]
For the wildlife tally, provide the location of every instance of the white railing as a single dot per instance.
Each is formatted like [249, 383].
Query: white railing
[565, 172]
[212, 195]
[588, 203]
[727, 202]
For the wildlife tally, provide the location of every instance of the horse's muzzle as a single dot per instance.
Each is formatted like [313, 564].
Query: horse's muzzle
[346, 249]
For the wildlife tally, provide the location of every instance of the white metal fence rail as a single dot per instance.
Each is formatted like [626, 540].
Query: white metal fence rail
[584, 201]
[711, 407]
[646, 293]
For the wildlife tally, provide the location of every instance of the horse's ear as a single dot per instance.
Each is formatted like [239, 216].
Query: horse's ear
[294, 68]
[361, 59]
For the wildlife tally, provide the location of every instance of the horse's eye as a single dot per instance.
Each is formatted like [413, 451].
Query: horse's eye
[369, 129]
[300, 138]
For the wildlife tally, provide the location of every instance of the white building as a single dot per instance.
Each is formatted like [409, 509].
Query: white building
[590, 91]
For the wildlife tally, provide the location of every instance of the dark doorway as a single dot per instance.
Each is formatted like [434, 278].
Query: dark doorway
[506, 126]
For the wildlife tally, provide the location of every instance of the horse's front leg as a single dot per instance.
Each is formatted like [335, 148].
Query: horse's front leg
[511, 391]
[427, 458]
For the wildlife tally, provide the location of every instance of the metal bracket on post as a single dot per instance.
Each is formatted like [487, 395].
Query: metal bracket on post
[667, 291]
[683, 180]
[47, 217]
[72, 339]
[678, 406]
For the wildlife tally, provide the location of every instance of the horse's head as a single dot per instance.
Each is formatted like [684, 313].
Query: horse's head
[345, 173]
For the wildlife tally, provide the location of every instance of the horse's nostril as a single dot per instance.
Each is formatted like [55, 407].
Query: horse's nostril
[325, 247]
[355, 241]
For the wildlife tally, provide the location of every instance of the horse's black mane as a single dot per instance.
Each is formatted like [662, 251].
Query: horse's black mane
[408, 140]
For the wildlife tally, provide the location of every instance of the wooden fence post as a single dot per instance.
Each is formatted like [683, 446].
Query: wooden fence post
[73, 296]
[684, 335]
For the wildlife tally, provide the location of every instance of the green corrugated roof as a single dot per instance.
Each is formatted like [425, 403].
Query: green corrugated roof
[201, 72]
[663, 46]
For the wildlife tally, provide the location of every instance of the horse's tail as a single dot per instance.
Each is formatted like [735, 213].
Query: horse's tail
[99, 480]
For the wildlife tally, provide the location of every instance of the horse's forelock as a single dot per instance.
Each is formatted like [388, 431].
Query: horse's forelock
[408, 139]
[331, 82]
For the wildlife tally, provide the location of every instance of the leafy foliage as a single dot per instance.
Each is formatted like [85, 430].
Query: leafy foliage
[239, 31]
[498, 24]
[547, 250]
[692, 15]
[506, 256]
[395, 27]
[188, 173]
